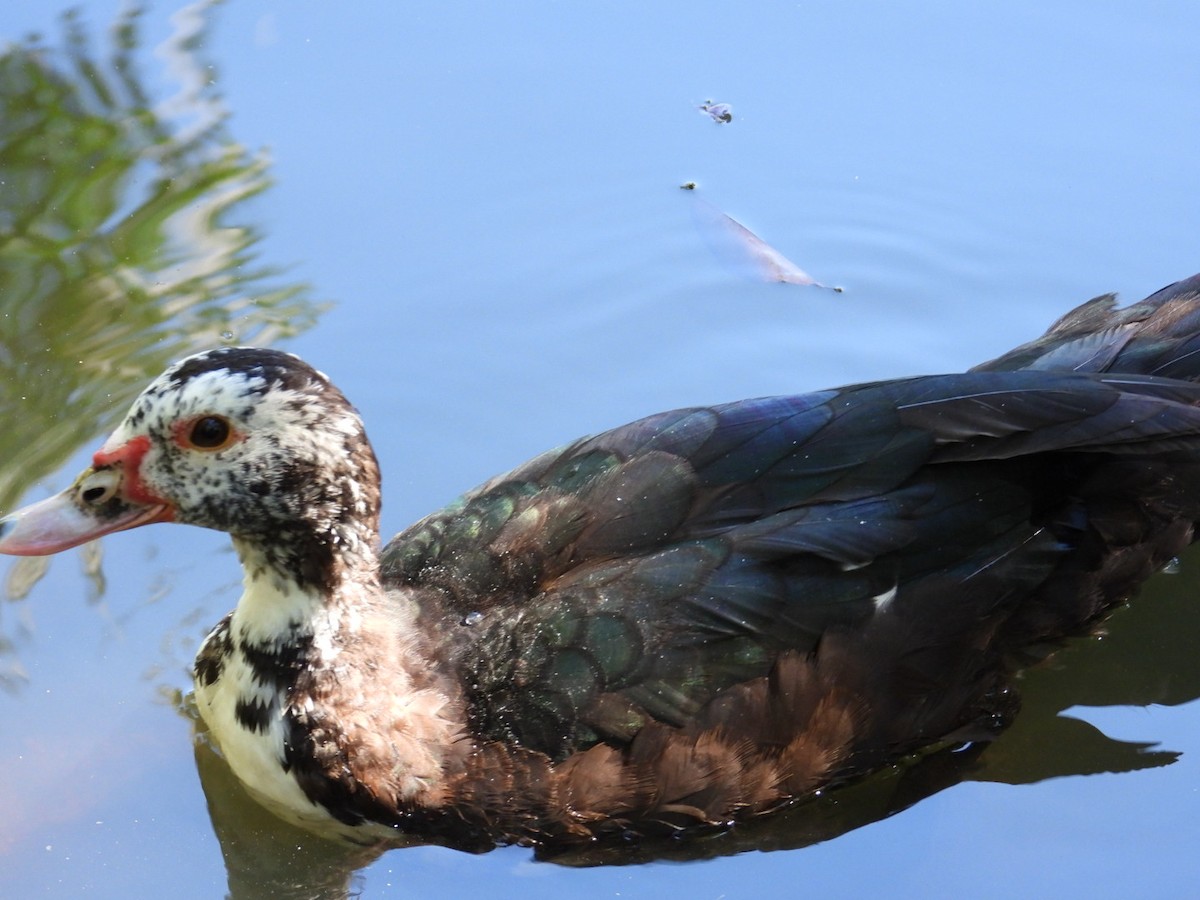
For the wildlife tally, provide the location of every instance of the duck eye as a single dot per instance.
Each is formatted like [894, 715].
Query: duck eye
[210, 433]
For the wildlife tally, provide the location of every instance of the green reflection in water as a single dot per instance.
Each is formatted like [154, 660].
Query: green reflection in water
[119, 247]
[123, 246]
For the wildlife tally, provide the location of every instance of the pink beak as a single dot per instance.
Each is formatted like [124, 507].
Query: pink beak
[93, 506]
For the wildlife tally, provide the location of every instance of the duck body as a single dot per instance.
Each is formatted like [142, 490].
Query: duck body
[694, 618]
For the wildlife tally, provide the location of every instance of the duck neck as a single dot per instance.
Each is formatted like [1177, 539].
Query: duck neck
[286, 604]
[321, 694]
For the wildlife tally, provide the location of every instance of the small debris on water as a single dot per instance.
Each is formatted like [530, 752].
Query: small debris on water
[721, 113]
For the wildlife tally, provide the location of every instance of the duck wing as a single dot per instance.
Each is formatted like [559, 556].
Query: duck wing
[635, 575]
[1158, 336]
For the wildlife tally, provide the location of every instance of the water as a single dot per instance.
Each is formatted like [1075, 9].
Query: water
[479, 211]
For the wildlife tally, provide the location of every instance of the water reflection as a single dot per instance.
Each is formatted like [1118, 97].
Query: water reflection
[119, 250]
[121, 246]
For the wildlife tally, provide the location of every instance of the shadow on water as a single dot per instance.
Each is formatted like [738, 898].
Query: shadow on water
[120, 250]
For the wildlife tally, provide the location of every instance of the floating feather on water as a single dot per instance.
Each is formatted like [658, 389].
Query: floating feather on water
[736, 244]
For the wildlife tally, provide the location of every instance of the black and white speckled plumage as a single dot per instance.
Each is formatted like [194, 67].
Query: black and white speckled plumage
[692, 618]
[306, 486]
[298, 492]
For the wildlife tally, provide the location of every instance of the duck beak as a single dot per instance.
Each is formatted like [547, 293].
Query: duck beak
[91, 507]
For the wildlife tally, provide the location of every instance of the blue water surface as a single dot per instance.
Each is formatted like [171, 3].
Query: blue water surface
[488, 195]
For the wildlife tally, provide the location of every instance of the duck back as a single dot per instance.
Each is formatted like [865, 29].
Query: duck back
[712, 611]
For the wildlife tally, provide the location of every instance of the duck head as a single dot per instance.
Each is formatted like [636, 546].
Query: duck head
[248, 441]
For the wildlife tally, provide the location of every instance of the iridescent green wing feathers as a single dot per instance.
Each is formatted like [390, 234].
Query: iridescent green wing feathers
[635, 574]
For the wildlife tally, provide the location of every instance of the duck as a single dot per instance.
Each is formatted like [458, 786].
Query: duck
[672, 626]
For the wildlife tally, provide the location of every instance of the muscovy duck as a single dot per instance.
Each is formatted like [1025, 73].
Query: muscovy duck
[694, 618]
